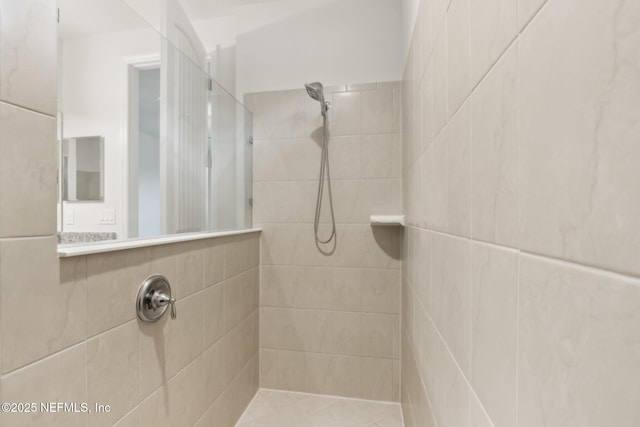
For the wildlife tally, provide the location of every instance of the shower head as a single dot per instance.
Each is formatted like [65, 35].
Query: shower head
[315, 91]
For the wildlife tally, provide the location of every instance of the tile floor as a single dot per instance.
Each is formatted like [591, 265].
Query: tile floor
[273, 408]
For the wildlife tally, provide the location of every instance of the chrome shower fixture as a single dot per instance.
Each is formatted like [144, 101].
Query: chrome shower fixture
[316, 91]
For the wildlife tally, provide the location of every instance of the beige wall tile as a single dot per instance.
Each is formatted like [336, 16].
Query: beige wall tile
[450, 398]
[378, 380]
[333, 374]
[184, 337]
[214, 372]
[293, 244]
[113, 279]
[241, 294]
[181, 402]
[345, 157]
[240, 345]
[189, 269]
[477, 416]
[423, 339]
[241, 253]
[494, 151]
[493, 26]
[213, 262]
[435, 185]
[344, 333]
[458, 68]
[300, 330]
[213, 314]
[381, 335]
[422, 266]
[112, 372]
[229, 407]
[459, 172]
[346, 113]
[578, 346]
[380, 291]
[153, 354]
[379, 156]
[269, 327]
[311, 287]
[493, 331]
[420, 405]
[28, 55]
[361, 87]
[587, 141]
[34, 287]
[451, 294]
[163, 261]
[427, 33]
[27, 165]
[356, 200]
[132, 419]
[427, 96]
[268, 367]
[290, 370]
[283, 114]
[58, 378]
[285, 201]
[527, 10]
[168, 345]
[377, 111]
[293, 159]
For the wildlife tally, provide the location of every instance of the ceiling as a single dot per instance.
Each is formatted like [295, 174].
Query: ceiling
[79, 18]
[203, 9]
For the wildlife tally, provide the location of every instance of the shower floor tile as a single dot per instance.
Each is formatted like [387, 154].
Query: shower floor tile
[274, 408]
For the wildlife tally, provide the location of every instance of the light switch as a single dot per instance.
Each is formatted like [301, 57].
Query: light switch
[69, 217]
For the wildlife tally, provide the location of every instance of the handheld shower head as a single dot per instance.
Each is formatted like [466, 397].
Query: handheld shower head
[316, 91]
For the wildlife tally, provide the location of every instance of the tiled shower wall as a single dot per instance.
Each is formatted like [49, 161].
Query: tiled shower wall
[329, 323]
[520, 290]
[68, 328]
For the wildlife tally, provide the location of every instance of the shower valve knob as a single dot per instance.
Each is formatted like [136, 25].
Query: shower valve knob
[154, 296]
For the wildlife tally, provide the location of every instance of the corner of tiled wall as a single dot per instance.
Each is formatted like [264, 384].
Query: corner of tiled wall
[520, 281]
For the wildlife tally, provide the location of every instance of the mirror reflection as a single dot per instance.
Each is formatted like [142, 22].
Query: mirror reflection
[82, 165]
[175, 155]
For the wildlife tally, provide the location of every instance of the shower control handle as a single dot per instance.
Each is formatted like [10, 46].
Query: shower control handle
[154, 297]
[160, 299]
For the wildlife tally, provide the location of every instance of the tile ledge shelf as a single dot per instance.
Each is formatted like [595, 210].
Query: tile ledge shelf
[89, 249]
[387, 220]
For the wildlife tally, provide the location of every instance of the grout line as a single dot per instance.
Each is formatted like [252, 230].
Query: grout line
[517, 341]
[27, 109]
[593, 268]
[328, 267]
[331, 354]
[533, 16]
[328, 310]
[330, 396]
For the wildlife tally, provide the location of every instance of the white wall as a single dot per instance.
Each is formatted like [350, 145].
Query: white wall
[94, 100]
[409, 15]
[283, 44]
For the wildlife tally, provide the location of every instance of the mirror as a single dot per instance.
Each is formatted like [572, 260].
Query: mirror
[175, 149]
[83, 169]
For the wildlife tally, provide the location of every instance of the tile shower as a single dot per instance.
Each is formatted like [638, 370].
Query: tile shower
[329, 324]
[520, 174]
[511, 298]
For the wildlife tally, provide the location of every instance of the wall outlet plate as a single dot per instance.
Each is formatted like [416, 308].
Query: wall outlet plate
[107, 217]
